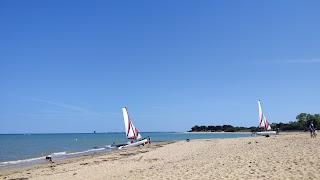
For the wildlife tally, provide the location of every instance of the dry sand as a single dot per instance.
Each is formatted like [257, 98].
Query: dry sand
[286, 156]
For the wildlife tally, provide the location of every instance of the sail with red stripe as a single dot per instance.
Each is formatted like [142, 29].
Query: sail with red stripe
[130, 129]
[263, 122]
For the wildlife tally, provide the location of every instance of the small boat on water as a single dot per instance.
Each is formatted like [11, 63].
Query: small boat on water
[264, 124]
[132, 133]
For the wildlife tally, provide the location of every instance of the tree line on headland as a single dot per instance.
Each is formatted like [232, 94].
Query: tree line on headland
[301, 124]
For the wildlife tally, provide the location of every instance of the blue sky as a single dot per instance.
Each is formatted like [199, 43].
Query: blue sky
[70, 66]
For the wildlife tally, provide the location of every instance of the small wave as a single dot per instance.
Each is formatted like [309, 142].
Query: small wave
[90, 150]
[110, 146]
[59, 153]
[21, 161]
[56, 156]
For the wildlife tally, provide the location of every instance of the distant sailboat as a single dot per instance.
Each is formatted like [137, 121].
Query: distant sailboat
[264, 123]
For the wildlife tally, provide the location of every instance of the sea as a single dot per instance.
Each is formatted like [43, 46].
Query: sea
[27, 149]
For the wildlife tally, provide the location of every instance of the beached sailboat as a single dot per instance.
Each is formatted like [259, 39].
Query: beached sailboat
[132, 132]
[264, 123]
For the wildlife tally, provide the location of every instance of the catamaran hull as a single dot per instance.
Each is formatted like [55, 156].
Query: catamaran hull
[138, 143]
[117, 145]
[266, 133]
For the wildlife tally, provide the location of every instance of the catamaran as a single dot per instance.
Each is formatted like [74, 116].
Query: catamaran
[264, 124]
[132, 133]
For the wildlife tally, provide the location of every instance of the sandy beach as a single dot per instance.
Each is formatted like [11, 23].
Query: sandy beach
[286, 156]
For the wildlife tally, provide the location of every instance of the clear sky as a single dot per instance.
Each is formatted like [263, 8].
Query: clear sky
[70, 66]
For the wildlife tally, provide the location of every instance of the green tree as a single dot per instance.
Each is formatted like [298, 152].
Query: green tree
[218, 128]
[211, 128]
[195, 129]
[203, 128]
[302, 118]
[317, 120]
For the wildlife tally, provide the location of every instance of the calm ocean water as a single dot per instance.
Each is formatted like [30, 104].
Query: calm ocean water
[24, 149]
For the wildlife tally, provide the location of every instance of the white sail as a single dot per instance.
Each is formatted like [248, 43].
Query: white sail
[131, 131]
[263, 122]
[269, 127]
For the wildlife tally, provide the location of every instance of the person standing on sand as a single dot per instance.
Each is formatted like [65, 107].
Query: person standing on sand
[149, 140]
[312, 130]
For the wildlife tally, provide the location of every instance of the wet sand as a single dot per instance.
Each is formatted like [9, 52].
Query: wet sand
[286, 156]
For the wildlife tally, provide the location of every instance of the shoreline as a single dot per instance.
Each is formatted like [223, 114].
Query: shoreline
[59, 157]
[288, 155]
[115, 152]
[38, 156]
[25, 163]
[222, 132]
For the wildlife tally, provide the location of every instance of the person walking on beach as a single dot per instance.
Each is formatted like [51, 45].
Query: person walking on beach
[312, 130]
